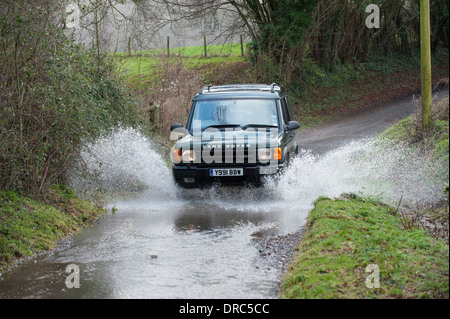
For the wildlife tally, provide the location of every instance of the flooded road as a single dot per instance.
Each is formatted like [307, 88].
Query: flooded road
[165, 248]
[172, 243]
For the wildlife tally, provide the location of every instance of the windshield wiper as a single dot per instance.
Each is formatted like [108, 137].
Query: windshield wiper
[221, 126]
[258, 125]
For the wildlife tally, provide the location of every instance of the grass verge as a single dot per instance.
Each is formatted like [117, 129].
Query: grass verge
[29, 227]
[346, 235]
[434, 142]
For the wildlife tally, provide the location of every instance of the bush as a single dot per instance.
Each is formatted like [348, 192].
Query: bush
[54, 96]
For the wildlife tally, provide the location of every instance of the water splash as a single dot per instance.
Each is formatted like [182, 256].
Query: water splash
[126, 159]
[375, 168]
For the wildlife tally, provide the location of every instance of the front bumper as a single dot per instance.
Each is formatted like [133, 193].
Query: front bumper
[199, 177]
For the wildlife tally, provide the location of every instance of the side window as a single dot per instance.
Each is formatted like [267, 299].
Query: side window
[285, 110]
[289, 109]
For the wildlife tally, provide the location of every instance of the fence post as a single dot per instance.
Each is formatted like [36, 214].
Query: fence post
[242, 45]
[204, 44]
[168, 46]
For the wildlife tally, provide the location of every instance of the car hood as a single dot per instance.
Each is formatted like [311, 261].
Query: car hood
[235, 139]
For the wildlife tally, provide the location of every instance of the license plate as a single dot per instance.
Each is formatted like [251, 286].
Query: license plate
[217, 172]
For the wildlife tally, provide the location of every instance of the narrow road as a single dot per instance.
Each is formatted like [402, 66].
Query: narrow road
[328, 136]
[170, 243]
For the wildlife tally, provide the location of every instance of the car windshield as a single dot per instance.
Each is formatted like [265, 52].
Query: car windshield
[235, 113]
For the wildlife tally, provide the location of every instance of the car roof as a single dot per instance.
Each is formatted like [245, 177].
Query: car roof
[240, 91]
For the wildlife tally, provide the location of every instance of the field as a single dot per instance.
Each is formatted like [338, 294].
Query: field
[145, 63]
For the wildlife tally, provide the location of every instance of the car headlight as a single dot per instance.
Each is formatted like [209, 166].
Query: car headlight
[264, 154]
[267, 154]
[188, 156]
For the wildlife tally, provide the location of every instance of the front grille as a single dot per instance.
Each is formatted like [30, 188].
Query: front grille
[232, 158]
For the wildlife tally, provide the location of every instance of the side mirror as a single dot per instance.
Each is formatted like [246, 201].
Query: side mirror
[292, 125]
[175, 126]
[177, 131]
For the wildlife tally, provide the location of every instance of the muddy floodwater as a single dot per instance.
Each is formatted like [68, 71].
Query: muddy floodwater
[166, 248]
[170, 243]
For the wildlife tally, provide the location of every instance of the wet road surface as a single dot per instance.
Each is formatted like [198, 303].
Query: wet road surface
[156, 248]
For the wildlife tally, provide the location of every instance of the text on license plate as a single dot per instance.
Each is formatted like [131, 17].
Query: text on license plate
[226, 172]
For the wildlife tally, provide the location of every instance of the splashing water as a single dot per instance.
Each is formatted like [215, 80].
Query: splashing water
[368, 168]
[124, 159]
[127, 159]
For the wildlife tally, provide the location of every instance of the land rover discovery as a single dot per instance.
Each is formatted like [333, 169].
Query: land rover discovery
[235, 135]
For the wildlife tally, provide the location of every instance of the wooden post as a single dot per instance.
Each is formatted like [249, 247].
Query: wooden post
[204, 44]
[242, 45]
[425, 60]
[129, 46]
[168, 46]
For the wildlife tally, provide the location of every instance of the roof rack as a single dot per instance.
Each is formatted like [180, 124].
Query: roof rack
[242, 87]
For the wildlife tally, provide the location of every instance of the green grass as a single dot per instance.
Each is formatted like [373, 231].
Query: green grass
[346, 235]
[433, 144]
[147, 62]
[213, 50]
[30, 226]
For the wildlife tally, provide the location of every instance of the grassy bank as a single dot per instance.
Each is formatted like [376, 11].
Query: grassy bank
[348, 234]
[29, 227]
[433, 143]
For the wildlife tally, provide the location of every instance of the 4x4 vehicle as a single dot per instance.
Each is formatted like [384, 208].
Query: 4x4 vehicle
[235, 135]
